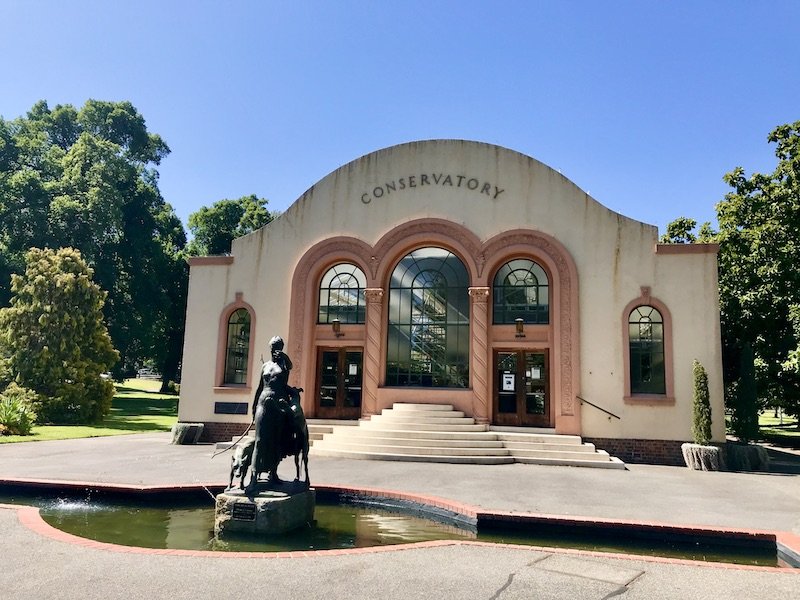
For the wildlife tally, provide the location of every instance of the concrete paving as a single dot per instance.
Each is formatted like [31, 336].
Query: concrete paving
[35, 566]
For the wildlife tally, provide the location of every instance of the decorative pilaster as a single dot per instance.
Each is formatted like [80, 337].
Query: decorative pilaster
[479, 361]
[372, 351]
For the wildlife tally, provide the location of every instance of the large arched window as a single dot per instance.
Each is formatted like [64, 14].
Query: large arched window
[341, 294]
[237, 347]
[521, 291]
[646, 346]
[428, 333]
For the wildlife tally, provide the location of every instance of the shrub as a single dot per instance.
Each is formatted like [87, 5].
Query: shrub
[174, 388]
[54, 340]
[17, 414]
[701, 422]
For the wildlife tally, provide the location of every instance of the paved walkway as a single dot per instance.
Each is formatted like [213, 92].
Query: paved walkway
[35, 566]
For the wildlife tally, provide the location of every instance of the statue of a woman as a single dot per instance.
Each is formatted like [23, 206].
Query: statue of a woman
[272, 414]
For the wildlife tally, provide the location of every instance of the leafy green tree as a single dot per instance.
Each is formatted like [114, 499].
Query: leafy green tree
[54, 338]
[681, 231]
[215, 227]
[759, 283]
[87, 179]
[759, 280]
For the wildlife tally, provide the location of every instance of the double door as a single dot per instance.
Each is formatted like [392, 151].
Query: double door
[339, 378]
[521, 388]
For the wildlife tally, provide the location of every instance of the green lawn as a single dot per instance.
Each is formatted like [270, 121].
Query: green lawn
[786, 434]
[137, 408]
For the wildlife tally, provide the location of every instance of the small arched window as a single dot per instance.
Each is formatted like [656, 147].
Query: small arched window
[521, 291]
[646, 346]
[237, 347]
[341, 294]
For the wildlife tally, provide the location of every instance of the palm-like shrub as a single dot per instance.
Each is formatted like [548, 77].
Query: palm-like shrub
[17, 415]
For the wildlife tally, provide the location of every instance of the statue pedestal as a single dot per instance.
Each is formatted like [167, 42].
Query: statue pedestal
[268, 511]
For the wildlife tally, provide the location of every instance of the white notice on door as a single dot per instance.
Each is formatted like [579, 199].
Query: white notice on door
[536, 373]
[508, 382]
[352, 369]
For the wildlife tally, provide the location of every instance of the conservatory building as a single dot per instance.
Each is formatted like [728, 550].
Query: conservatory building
[461, 273]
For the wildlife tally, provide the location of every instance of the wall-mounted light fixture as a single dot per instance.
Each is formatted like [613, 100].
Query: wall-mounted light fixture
[337, 328]
[520, 328]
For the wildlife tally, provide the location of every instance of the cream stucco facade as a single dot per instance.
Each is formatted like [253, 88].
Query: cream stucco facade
[486, 205]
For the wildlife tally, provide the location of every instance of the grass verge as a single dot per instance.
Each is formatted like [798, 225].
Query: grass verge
[785, 434]
[137, 408]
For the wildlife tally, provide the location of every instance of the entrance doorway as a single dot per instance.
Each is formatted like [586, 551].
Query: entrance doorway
[522, 388]
[339, 376]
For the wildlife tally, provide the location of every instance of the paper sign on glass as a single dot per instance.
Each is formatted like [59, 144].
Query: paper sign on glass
[536, 373]
[508, 382]
[352, 369]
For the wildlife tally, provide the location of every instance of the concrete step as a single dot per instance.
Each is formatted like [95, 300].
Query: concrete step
[410, 406]
[421, 426]
[594, 456]
[377, 432]
[472, 459]
[540, 438]
[418, 418]
[422, 414]
[612, 463]
[342, 422]
[545, 446]
[436, 442]
[353, 446]
[525, 430]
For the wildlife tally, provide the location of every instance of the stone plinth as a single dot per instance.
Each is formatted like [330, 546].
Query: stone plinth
[267, 512]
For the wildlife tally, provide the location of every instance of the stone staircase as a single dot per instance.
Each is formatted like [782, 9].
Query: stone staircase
[437, 433]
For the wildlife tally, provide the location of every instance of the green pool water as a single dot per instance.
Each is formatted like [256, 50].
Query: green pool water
[190, 526]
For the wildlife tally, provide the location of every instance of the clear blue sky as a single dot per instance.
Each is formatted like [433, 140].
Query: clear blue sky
[643, 104]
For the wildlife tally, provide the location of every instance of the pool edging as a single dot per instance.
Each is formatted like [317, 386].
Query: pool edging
[787, 544]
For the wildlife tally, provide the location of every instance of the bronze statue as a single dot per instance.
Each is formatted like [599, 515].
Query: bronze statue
[279, 423]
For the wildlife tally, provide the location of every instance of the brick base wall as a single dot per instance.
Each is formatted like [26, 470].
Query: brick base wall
[222, 432]
[653, 452]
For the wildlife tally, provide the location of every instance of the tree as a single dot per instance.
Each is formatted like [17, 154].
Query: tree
[759, 280]
[681, 231]
[54, 339]
[759, 283]
[701, 404]
[214, 228]
[86, 179]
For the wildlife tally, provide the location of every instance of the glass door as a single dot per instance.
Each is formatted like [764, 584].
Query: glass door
[339, 378]
[522, 394]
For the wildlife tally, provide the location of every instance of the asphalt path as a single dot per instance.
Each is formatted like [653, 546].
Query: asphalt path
[35, 566]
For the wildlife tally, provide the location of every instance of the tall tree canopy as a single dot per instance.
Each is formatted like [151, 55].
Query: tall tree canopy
[86, 179]
[759, 282]
[53, 339]
[759, 223]
[215, 227]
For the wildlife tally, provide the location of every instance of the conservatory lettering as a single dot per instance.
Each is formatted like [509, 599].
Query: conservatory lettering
[473, 184]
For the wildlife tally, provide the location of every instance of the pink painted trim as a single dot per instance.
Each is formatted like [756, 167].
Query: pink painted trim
[481, 260]
[302, 337]
[648, 399]
[687, 248]
[232, 389]
[29, 517]
[562, 335]
[222, 343]
[206, 261]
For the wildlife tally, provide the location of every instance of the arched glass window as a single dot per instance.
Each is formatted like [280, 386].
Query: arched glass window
[237, 347]
[521, 291]
[646, 341]
[341, 294]
[428, 339]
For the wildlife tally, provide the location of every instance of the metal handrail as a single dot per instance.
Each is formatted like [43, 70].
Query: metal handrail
[610, 414]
